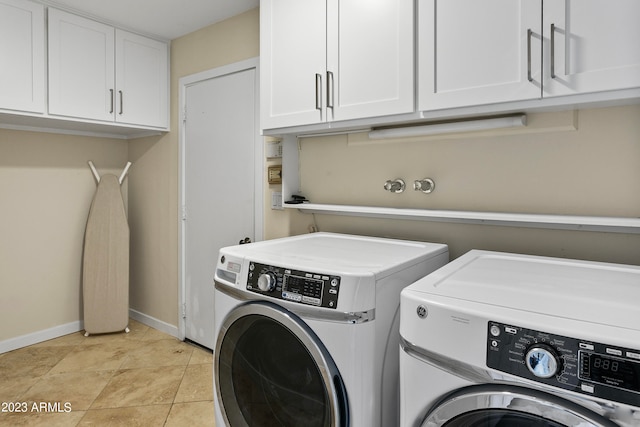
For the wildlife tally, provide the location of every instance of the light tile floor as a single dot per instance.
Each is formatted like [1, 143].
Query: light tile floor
[143, 378]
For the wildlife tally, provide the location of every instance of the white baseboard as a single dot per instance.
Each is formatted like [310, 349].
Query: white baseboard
[40, 336]
[69, 328]
[154, 323]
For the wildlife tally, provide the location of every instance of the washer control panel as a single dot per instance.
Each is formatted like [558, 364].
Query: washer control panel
[317, 289]
[587, 367]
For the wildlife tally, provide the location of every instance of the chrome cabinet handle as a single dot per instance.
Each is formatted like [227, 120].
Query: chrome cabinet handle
[318, 91]
[120, 92]
[553, 51]
[330, 89]
[112, 101]
[529, 55]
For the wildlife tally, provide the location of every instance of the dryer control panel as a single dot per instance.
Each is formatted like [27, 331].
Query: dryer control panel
[587, 367]
[304, 287]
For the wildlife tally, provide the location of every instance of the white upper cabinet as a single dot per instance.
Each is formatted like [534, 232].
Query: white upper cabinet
[370, 58]
[101, 73]
[594, 46]
[81, 67]
[141, 80]
[478, 52]
[326, 60]
[22, 53]
[486, 52]
[293, 46]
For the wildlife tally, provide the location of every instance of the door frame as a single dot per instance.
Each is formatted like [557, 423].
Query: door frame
[183, 84]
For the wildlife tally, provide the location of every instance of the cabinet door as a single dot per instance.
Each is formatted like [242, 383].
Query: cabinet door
[81, 67]
[141, 80]
[595, 45]
[478, 52]
[292, 62]
[22, 51]
[370, 59]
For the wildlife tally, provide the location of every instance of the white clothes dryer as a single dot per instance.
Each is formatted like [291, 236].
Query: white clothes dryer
[496, 339]
[307, 329]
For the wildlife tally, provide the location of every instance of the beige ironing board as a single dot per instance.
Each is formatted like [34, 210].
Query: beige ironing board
[105, 268]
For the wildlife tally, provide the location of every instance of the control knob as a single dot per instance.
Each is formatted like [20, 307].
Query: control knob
[542, 361]
[267, 282]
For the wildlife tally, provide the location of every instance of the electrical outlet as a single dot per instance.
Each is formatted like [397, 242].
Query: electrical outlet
[276, 200]
[273, 149]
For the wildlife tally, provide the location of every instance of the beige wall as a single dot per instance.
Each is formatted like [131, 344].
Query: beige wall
[46, 188]
[153, 186]
[594, 170]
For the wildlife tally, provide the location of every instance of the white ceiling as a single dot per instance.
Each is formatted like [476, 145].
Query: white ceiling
[168, 19]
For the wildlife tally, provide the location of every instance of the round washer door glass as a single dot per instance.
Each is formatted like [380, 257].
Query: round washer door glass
[500, 418]
[272, 370]
[506, 406]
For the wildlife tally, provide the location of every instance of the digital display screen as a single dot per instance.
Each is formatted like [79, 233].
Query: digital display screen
[303, 286]
[611, 371]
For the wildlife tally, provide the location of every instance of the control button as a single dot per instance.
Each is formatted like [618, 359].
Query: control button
[510, 330]
[333, 291]
[334, 282]
[267, 282]
[495, 330]
[632, 355]
[542, 361]
[332, 304]
[614, 351]
[586, 346]
[251, 266]
[292, 296]
[587, 388]
[494, 343]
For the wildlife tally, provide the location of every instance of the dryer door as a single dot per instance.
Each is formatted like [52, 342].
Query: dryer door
[496, 405]
[271, 369]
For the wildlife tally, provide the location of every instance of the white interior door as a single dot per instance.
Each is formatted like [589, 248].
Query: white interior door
[221, 190]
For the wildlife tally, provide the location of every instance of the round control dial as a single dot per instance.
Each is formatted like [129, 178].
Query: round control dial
[267, 282]
[542, 361]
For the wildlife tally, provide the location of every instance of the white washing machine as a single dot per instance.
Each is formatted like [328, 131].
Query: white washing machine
[307, 329]
[496, 339]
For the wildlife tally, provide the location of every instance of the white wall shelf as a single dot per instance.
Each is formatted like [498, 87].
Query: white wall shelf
[553, 222]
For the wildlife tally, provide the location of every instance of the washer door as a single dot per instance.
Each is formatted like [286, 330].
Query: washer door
[504, 406]
[271, 369]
